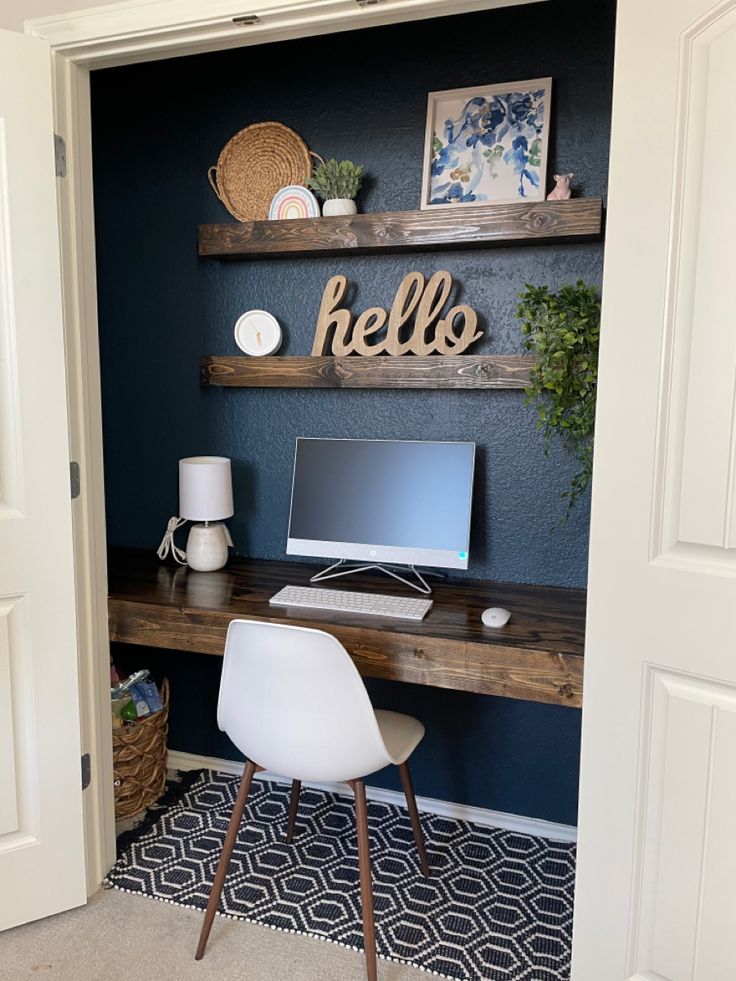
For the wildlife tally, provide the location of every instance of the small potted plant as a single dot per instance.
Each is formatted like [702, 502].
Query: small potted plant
[337, 183]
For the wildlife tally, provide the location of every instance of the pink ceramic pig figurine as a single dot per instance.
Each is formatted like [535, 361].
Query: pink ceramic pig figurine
[561, 190]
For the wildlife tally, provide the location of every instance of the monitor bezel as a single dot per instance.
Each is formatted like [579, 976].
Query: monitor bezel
[381, 554]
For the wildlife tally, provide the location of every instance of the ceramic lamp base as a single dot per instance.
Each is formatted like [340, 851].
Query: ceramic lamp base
[207, 547]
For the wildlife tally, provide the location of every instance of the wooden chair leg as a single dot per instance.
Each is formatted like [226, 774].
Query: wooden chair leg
[411, 803]
[366, 886]
[227, 850]
[296, 786]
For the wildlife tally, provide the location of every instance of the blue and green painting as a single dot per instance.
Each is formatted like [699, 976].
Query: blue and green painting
[489, 148]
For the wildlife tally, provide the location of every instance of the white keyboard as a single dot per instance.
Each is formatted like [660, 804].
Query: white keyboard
[343, 601]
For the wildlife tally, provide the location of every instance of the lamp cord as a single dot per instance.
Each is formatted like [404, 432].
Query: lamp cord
[167, 542]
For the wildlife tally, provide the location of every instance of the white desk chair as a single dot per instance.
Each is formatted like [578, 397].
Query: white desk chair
[292, 700]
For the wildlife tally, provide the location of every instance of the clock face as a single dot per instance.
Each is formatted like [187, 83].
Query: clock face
[258, 333]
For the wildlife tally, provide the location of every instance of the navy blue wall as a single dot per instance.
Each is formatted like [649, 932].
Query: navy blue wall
[157, 128]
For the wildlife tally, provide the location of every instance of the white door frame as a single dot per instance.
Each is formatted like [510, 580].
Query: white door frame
[120, 34]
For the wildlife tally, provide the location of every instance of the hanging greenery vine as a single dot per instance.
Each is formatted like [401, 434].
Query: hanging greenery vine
[562, 330]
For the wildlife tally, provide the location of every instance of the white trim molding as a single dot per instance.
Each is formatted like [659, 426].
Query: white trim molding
[75, 204]
[145, 30]
[427, 805]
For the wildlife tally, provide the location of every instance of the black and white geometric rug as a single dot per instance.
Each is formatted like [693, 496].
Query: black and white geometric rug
[498, 906]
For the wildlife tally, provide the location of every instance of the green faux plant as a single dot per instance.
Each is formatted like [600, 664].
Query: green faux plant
[562, 330]
[333, 180]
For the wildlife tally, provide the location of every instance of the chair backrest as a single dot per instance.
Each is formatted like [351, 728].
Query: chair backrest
[292, 701]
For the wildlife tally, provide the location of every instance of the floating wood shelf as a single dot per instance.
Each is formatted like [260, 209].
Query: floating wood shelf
[446, 371]
[405, 231]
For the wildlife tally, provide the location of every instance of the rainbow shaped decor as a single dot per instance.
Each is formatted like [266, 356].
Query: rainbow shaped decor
[293, 201]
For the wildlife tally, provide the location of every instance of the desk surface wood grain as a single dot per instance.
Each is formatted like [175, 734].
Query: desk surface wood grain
[537, 656]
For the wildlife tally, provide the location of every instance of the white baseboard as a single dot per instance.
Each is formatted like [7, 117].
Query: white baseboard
[461, 812]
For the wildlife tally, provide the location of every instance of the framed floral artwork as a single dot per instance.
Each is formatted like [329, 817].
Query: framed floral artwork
[487, 144]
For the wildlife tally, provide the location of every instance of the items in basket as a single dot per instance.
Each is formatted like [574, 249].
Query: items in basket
[135, 698]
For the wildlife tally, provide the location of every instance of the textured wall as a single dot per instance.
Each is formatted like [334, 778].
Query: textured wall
[157, 127]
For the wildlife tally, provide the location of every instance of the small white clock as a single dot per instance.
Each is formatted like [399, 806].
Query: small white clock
[258, 333]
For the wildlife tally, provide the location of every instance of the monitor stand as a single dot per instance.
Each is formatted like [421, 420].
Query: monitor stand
[345, 568]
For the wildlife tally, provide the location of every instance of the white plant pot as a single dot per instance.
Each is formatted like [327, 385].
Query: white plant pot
[340, 206]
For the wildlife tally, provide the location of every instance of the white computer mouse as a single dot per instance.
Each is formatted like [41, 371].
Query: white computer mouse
[496, 616]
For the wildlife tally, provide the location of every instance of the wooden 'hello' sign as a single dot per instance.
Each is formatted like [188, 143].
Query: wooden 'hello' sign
[336, 334]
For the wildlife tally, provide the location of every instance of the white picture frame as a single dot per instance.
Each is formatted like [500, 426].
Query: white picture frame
[484, 162]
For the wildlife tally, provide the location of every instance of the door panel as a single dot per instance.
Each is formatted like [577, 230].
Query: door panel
[698, 404]
[41, 838]
[655, 894]
[686, 866]
[9, 743]
[10, 466]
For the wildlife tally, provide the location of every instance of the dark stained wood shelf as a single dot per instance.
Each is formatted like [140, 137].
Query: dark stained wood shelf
[440, 371]
[537, 656]
[405, 231]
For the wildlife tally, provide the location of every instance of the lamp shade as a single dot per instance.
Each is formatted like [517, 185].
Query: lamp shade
[205, 488]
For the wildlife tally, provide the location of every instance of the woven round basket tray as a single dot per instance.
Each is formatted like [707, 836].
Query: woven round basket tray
[139, 760]
[255, 164]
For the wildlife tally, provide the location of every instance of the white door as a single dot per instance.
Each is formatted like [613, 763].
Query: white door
[41, 842]
[656, 891]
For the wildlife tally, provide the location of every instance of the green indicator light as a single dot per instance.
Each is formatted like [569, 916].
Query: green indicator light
[463, 555]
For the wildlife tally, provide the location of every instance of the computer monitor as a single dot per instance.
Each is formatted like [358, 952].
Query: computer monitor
[382, 501]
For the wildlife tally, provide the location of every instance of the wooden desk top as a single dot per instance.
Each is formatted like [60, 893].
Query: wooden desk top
[537, 656]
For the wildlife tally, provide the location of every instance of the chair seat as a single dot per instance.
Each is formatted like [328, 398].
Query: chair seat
[400, 733]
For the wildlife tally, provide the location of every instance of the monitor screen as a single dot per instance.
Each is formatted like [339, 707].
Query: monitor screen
[382, 500]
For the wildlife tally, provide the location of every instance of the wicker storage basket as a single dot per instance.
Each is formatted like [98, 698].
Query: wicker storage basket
[255, 164]
[139, 760]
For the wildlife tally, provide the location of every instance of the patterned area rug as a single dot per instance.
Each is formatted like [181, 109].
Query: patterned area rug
[498, 906]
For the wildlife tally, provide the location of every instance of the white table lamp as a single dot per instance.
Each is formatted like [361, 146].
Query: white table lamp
[205, 495]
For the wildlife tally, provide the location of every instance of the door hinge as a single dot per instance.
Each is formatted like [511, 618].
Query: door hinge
[86, 771]
[75, 479]
[60, 155]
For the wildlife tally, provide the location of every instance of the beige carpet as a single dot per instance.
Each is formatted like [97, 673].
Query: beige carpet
[119, 936]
